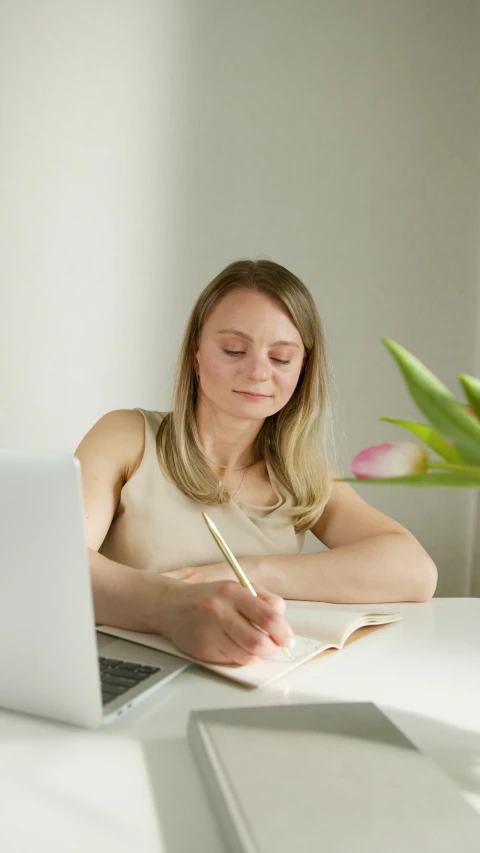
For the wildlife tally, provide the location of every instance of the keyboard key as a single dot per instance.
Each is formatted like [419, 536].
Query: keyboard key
[107, 697]
[115, 689]
[112, 670]
[116, 679]
[129, 673]
[118, 676]
[140, 676]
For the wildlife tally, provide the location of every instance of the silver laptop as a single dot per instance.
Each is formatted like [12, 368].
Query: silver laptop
[53, 663]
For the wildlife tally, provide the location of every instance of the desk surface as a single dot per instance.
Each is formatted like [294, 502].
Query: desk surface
[133, 785]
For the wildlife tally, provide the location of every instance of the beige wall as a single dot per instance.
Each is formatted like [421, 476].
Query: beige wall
[147, 144]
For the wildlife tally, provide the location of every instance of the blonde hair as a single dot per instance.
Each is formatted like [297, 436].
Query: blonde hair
[297, 441]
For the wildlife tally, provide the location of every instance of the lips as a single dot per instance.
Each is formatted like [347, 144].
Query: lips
[253, 396]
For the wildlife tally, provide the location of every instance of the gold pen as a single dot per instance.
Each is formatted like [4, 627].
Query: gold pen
[235, 565]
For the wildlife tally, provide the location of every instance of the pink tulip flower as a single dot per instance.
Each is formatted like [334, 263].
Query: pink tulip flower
[394, 459]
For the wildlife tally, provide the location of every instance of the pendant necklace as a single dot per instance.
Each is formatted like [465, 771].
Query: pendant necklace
[241, 482]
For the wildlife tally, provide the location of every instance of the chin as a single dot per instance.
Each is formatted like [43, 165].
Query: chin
[253, 409]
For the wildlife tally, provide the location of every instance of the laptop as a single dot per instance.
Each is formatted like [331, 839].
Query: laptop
[53, 662]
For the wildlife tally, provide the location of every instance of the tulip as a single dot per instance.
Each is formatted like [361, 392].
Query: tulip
[393, 459]
[451, 431]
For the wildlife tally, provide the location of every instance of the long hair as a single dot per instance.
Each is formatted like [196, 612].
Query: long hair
[297, 441]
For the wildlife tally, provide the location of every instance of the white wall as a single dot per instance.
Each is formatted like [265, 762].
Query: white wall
[90, 96]
[147, 144]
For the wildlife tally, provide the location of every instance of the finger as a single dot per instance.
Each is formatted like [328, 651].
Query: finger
[253, 642]
[223, 650]
[256, 609]
[223, 633]
[271, 598]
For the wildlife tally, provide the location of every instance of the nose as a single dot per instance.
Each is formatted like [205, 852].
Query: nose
[258, 367]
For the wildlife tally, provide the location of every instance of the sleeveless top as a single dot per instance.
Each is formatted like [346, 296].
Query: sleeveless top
[157, 528]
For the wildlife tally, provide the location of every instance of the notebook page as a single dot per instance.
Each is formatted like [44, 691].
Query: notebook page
[331, 624]
[264, 671]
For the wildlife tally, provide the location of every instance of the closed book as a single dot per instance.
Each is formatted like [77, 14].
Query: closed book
[333, 777]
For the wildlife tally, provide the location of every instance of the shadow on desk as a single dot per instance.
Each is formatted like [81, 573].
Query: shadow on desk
[456, 751]
[183, 809]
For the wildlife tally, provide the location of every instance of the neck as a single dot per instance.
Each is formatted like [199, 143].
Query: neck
[227, 442]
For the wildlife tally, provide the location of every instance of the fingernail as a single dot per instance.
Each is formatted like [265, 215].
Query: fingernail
[292, 643]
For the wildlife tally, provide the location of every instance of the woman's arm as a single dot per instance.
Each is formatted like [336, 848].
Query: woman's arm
[379, 568]
[371, 558]
[383, 567]
[213, 621]
[126, 598]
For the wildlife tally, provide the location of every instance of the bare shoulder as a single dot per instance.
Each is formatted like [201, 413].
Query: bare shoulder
[119, 436]
[109, 454]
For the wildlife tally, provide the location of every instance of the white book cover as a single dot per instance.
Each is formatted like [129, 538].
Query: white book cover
[317, 627]
[333, 777]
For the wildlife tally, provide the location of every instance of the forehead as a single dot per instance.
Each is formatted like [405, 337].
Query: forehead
[253, 313]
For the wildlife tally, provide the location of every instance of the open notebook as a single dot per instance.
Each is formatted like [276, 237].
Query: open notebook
[317, 627]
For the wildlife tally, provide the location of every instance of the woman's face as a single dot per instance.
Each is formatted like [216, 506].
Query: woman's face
[249, 356]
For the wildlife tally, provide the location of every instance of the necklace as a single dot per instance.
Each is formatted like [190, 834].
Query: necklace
[244, 469]
[241, 482]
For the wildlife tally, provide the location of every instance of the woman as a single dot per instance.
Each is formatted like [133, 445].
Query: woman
[247, 440]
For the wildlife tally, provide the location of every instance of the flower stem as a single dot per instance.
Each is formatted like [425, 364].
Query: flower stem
[451, 466]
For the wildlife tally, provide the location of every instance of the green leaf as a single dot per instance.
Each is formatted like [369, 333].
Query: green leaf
[471, 387]
[431, 437]
[441, 480]
[438, 404]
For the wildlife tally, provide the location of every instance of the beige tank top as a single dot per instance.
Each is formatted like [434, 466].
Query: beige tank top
[157, 528]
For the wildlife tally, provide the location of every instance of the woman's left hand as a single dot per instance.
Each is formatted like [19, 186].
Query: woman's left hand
[202, 574]
[212, 572]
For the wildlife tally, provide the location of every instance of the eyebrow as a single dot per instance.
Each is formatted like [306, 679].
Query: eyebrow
[248, 338]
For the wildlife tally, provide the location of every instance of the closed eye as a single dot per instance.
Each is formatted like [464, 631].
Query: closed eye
[241, 352]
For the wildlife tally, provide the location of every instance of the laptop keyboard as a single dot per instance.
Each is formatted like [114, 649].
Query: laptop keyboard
[118, 676]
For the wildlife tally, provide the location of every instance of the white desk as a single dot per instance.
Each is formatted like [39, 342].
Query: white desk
[133, 786]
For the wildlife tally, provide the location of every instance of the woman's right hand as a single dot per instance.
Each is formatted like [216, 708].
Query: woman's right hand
[213, 621]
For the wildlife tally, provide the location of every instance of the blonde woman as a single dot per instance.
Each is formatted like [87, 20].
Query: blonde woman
[247, 440]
